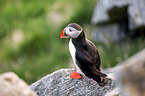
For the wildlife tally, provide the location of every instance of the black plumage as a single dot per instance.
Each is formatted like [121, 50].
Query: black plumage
[88, 59]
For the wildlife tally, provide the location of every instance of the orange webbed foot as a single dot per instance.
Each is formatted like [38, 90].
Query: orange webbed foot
[75, 75]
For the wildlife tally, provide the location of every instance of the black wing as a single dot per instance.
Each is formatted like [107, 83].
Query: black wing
[90, 70]
[88, 66]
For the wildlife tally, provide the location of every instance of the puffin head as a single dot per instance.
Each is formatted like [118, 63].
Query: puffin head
[73, 30]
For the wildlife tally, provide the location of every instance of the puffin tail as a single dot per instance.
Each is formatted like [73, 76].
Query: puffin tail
[103, 82]
[100, 79]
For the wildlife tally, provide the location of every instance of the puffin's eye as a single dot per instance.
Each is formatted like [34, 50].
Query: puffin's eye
[70, 30]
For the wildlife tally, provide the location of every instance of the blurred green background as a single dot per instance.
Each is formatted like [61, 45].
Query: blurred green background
[29, 36]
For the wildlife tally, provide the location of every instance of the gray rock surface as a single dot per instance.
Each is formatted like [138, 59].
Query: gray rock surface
[135, 10]
[128, 15]
[59, 83]
[103, 6]
[106, 33]
[131, 75]
[12, 85]
[129, 80]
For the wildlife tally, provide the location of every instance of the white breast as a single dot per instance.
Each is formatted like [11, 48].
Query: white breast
[72, 50]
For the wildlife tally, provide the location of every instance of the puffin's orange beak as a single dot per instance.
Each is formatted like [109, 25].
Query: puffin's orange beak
[63, 34]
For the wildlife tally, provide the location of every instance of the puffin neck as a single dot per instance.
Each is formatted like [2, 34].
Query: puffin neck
[80, 40]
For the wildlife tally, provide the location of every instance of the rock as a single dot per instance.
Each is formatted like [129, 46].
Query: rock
[59, 83]
[12, 85]
[112, 32]
[129, 80]
[136, 13]
[114, 92]
[131, 76]
[103, 7]
[107, 8]
[129, 15]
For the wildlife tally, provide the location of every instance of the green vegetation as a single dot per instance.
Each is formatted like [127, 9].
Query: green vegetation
[29, 36]
[112, 53]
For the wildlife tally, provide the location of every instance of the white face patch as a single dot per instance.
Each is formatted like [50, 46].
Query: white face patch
[72, 32]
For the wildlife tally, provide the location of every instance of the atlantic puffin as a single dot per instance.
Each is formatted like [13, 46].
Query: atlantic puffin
[84, 54]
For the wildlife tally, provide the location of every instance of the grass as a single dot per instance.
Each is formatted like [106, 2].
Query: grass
[114, 53]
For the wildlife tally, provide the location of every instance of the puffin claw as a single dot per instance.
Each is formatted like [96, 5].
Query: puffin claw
[75, 75]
